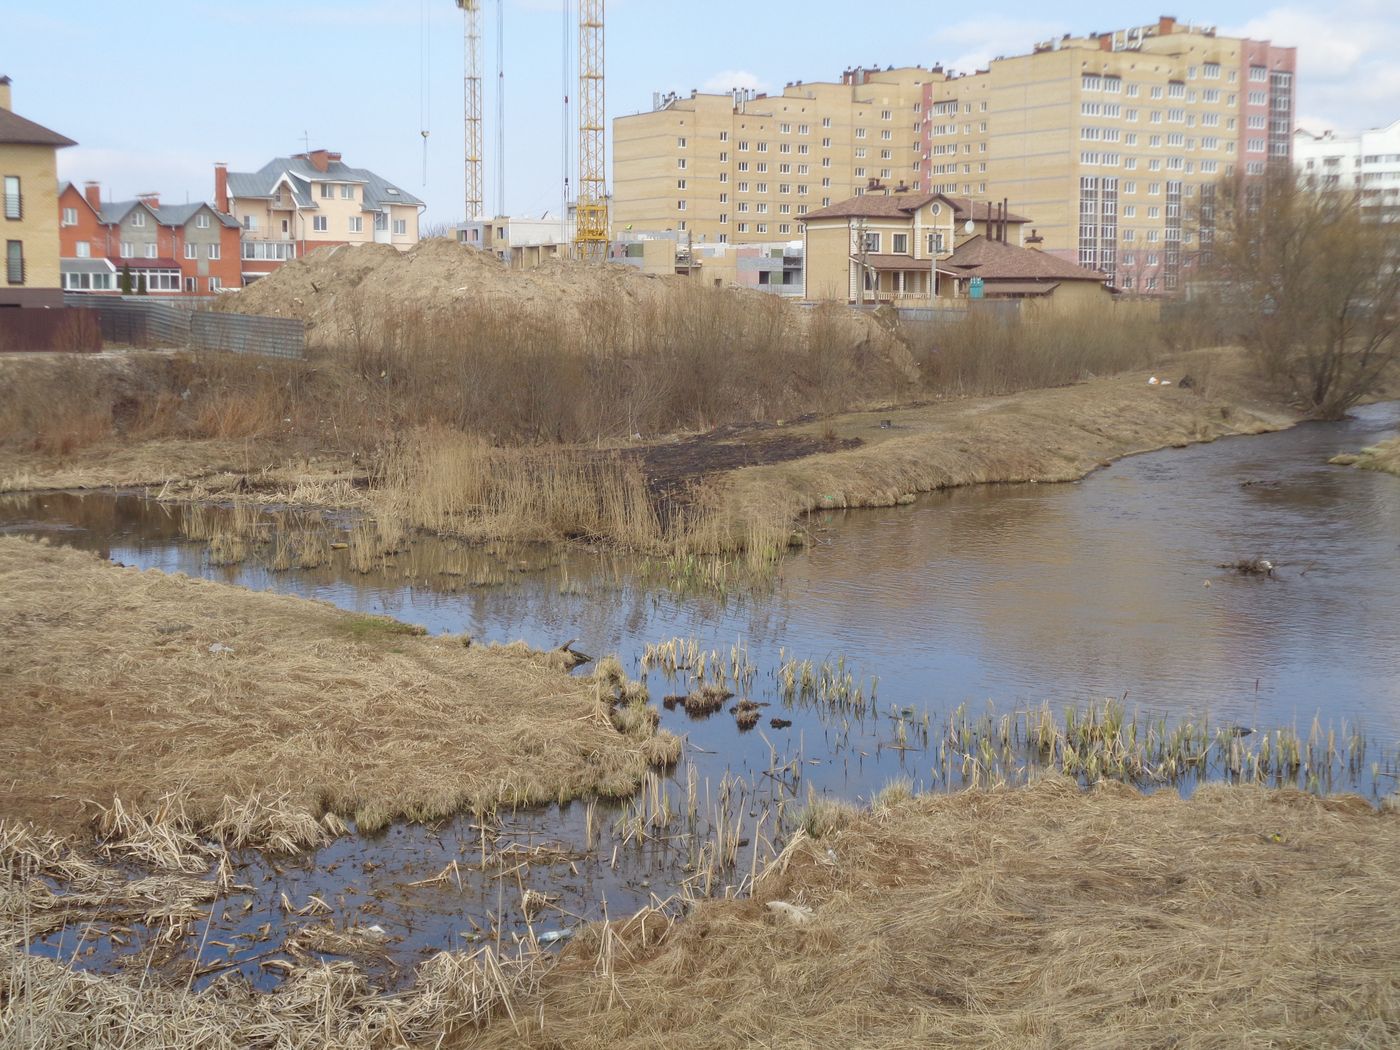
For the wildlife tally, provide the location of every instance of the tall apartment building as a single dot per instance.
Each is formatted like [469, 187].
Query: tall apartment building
[1106, 141]
[744, 168]
[1368, 164]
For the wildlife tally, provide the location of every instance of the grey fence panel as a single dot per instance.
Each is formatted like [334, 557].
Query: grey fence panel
[247, 334]
[144, 323]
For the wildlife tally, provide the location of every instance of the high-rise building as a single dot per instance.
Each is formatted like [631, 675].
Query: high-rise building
[1107, 142]
[1367, 164]
[743, 168]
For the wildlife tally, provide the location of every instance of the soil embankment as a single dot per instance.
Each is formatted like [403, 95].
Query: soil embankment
[138, 685]
[1018, 919]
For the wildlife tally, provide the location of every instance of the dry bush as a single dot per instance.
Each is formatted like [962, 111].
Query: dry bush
[984, 354]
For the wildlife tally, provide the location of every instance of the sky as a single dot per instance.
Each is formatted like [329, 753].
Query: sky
[156, 92]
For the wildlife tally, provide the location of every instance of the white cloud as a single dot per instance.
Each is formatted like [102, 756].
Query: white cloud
[728, 79]
[1348, 70]
[970, 45]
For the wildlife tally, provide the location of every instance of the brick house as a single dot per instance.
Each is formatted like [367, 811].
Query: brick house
[174, 249]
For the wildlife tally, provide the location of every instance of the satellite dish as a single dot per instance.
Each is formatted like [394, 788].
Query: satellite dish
[969, 226]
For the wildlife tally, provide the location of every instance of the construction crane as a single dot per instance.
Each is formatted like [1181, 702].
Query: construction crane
[471, 97]
[591, 212]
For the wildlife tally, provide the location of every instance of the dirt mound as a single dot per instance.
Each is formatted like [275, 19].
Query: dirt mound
[331, 286]
[346, 292]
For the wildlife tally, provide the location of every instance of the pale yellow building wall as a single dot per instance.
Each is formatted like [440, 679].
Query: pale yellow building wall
[37, 169]
[804, 152]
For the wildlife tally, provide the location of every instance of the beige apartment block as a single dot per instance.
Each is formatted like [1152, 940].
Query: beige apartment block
[744, 168]
[29, 273]
[1112, 142]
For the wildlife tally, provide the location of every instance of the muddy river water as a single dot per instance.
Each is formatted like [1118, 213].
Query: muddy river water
[1002, 596]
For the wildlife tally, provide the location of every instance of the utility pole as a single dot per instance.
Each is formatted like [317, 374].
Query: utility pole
[863, 246]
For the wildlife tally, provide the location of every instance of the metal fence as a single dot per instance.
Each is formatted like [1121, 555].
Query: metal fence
[160, 324]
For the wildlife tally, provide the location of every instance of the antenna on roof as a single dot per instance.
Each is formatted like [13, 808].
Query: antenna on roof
[306, 141]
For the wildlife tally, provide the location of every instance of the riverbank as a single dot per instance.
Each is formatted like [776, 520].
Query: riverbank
[166, 697]
[1018, 918]
[1384, 457]
[738, 488]
[1009, 918]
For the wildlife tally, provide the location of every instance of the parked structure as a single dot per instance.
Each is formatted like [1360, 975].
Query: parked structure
[1106, 139]
[292, 205]
[897, 242]
[144, 245]
[28, 208]
[1368, 164]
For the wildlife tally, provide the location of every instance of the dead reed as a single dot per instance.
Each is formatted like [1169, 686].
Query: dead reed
[1020, 919]
[206, 710]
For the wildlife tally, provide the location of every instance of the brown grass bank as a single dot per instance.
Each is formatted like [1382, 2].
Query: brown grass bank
[1384, 456]
[1032, 918]
[139, 686]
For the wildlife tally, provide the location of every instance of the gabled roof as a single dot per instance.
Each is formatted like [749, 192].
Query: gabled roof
[16, 131]
[378, 191]
[995, 261]
[113, 212]
[181, 214]
[874, 206]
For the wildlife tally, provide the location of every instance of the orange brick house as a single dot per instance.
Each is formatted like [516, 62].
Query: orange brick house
[167, 250]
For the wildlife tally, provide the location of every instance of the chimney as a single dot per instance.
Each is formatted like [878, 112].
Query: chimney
[151, 200]
[221, 186]
[1005, 211]
[5, 93]
[1166, 25]
[1035, 240]
[93, 192]
[319, 159]
[1106, 43]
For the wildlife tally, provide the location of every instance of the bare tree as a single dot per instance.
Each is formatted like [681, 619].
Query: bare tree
[1311, 285]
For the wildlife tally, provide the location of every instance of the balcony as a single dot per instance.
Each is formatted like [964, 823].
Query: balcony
[268, 251]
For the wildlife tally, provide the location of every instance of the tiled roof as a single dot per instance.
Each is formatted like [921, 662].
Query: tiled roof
[874, 206]
[378, 191]
[896, 262]
[17, 131]
[181, 214]
[993, 260]
[113, 212]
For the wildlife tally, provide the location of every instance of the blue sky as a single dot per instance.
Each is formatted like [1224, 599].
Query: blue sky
[156, 91]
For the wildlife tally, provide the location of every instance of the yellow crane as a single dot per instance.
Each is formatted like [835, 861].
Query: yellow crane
[591, 212]
[471, 98]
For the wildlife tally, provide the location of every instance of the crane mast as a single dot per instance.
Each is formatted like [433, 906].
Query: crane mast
[471, 99]
[591, 213]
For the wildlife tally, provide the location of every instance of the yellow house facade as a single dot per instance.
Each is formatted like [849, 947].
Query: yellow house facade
[886, 247]
[28, 208]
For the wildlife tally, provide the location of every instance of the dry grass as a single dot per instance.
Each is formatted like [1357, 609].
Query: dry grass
[1384, 457]
[1028, 918]
[1045, 435]
[143, 687]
